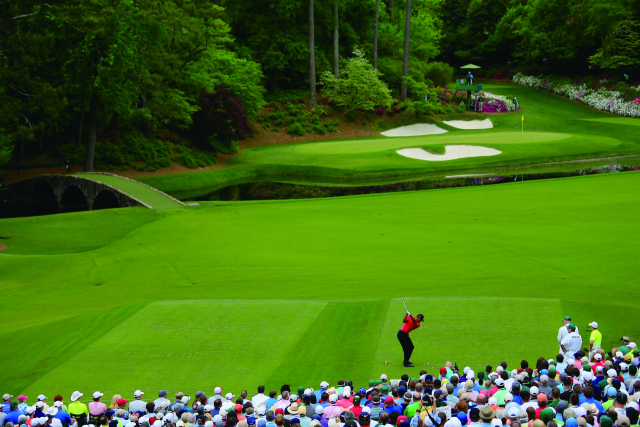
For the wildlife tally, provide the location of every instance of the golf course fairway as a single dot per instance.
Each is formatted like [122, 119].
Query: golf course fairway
[196, 297]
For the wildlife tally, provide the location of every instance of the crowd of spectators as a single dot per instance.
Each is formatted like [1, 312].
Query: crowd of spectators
[568, 390]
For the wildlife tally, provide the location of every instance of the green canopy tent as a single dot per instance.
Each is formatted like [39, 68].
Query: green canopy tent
[468, 88]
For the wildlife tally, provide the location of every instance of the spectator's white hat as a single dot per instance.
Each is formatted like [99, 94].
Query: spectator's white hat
[632, 345]
[495, 422]
[471, 374]
[319, 410]
[453, 422]
[76, 395]
[160, 415]
[39, 404]
[366, 409]
[597, 356]
[217, 390]
[138, 393]
[514, 412]
[324, 384]
[35, 422]
[466, 370]
[43, 420]
[624, 366]
[293, 398]
[308, 391]
[619, 354]
[383, 377]
[208, 424]
[229, 396]
[508, 398]
[599, 368]
[217, 420]
[587, 376]
[130, 424]
[611, 373]
[533, 391]
[499, 369]
[97, 394]
[333, 398]
[493, 400]
[29, 410]
[57, 404]
[262, 410]
[42, 397]
[571, 361]
[594, 324]
[580, 411]
[584, 360]
[347, 392]
[499, 382]
[52, 411]
[314, 423]
[185, 399]
[180, 423]
[544, 378]
[208, 408]
[157, 423]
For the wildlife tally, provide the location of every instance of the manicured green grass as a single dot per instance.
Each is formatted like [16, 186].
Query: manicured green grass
[144, 194]
[308, 290]
[591, 134]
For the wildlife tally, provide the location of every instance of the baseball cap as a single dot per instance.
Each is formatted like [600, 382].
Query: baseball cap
[324, 384]
[594, 324]
[571, 422]
[587, 376]
[271, 414]
[122, 401]
[611, 373]
[97, 394]
[333, 398]
[7, 396]
[229, 396]
[566, 318]
[364, 416]
[57, 404]
[208, 408]
[619, 354]
[389, 399]
[39, 404]
[499, 382]
[138, 393]
[514, 412]
[252, 421]
[625, 339]
[544, 378]
[383, 377]
[319, 410]
[571, 361]
[624, 366]
[42, 397]
[632, 345]
[262, 410]
[533, 391]
[23, 397]
[597, 356]
[571, 326]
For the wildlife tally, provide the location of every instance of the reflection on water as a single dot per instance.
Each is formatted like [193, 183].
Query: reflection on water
[266, 190]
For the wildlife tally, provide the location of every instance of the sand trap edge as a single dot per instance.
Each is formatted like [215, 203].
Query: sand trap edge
[416, 129]
[470, 125]
[452, 152]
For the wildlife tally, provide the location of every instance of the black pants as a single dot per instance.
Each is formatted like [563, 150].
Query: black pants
[407, 345]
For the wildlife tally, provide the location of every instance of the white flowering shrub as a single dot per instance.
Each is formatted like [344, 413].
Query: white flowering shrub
[600, 99]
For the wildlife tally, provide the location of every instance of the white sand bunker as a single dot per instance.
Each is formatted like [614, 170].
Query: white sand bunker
[471, 124]
[415, 130]
[452, 152]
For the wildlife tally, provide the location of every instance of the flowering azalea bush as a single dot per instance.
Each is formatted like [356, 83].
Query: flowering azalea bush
[496, 103]
[603, 96]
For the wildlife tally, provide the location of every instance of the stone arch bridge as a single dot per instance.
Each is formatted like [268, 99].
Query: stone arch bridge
[88, 191]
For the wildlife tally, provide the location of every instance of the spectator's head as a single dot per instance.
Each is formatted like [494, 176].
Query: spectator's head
[384, 418]
[97, 396]
[488, 369]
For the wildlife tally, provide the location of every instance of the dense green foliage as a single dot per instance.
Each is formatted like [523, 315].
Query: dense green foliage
[563, 36]
[358, 87]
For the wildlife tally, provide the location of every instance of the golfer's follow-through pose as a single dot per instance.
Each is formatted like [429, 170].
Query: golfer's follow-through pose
[409, 324]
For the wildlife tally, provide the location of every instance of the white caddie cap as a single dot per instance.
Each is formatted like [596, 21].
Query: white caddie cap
[97, 394]
[324, 384]
[138, 393]
[594, 324]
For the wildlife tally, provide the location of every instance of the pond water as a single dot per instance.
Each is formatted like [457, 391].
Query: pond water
[272, 190]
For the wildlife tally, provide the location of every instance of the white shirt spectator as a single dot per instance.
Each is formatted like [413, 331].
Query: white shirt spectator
[258, 399]
[138, 405]
[533, 405]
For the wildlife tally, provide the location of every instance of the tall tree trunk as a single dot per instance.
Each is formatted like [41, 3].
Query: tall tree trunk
[336, 43]
[390, 7]
[312, 59]
[375, 40]
[405, 67]
[91, 141]
[79, 141]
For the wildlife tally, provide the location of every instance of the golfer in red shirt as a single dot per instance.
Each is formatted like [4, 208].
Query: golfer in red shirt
[409, 324]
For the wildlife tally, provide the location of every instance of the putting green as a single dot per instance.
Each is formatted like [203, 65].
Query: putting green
[382, 144]
[630, 121]
[235, 294]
